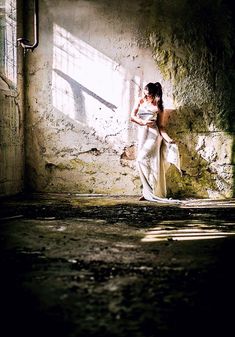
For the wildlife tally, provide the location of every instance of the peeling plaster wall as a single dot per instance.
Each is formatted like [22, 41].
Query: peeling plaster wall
[93, 59]
[11, 148]
[11, 106]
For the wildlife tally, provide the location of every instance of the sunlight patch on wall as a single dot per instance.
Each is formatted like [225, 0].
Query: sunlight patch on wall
[88, 86]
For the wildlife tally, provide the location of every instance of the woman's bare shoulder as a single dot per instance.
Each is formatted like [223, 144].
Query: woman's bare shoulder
[139, 101]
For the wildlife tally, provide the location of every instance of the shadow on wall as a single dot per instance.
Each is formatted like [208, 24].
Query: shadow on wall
[90, 97]
[187, 125]
[88, 86]
[78, 91]
[91, 88]
[193, 44]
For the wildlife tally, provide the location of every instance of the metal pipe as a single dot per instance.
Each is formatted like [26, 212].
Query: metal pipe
[23, 41]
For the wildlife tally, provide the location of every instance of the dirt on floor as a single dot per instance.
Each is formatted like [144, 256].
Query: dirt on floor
[83, 265]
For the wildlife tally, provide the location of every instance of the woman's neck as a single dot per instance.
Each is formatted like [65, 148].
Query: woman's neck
[151, 101]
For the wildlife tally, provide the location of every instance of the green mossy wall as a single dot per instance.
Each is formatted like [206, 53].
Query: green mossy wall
[193, 45]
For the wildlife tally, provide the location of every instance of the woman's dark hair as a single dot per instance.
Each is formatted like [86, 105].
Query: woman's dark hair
[155, 90]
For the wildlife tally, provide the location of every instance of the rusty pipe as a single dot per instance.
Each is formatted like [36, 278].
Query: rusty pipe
[23, 41]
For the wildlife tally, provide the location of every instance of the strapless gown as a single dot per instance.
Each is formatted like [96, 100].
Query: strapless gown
[154, 157]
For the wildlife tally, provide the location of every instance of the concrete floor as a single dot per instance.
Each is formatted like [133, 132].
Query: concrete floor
[76, 265]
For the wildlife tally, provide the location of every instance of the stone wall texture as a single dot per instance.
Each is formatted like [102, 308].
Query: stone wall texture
[11, 103]
[81, 82]
[11, 148]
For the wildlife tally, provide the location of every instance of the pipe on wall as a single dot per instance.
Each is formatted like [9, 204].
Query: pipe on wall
[25, 42]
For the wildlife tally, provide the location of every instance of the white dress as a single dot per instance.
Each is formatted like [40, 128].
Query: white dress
[154, 157]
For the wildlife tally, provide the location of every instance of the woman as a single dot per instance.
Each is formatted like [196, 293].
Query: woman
[156, 150]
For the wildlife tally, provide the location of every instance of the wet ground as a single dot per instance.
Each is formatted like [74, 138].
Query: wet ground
[80, 265]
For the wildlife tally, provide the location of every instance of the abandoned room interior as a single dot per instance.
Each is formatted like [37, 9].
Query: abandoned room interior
[80, 254]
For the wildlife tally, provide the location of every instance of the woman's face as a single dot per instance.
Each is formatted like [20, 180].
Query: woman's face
[147, 96]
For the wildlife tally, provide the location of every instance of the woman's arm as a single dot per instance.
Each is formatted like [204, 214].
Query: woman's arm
[138, 120]
[161, 121]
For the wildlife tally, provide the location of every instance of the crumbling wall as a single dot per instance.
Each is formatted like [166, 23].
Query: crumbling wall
[92, 62]
[11, 109]
[11, 148]
[193, 45]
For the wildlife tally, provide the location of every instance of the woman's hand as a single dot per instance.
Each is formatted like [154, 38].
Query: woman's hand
[171, 141]
[149, 124]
